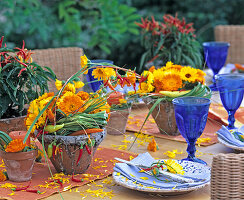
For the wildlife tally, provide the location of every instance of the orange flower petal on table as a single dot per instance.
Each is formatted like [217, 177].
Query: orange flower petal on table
[16, 145]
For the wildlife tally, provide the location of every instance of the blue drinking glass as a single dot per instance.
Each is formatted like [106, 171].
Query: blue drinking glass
[215, 54]
[191, 115]
[231, 89]
[94, 83]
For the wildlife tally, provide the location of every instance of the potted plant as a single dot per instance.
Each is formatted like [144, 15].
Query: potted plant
[172, 39]
[21, 81]
[119, 113]
[162, 85]
[18, 158]
[71, 124]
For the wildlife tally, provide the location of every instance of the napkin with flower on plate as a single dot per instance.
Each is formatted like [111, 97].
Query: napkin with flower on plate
[232, 138]
[198, 172]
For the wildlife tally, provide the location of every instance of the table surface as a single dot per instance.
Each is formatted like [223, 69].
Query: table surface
[164, 145]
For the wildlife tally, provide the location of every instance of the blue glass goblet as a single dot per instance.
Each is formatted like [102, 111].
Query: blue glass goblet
[191, 115]
[231, 89]
[94, 83]
[215, 54]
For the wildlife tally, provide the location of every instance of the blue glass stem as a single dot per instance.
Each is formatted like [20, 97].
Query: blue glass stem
[191, 150]
[231, 119]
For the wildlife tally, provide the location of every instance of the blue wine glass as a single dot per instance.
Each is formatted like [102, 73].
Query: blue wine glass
[231, 89]
[94, 83]
[191, 115]
[215, 54]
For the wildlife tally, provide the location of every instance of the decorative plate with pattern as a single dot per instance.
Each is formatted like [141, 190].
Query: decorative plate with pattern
[192, 170]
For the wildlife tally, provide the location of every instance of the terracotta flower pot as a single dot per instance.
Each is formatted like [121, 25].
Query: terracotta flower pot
[117, 122]
[12, 124]
[164, 116]
[19, 165]
[66, 161]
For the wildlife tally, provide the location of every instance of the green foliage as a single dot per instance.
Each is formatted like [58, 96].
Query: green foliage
[105, 29]
[21, 81]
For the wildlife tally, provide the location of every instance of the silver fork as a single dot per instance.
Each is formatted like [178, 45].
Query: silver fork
[172, 176]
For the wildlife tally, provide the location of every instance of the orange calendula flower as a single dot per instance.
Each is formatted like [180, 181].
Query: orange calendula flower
[70, 103]
[151, 69]
[83, 95]
[2, 176]
[16, 145]
[171, 82]
[152, 146]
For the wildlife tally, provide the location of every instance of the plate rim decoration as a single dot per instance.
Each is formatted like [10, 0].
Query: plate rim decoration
[230, 145]
[121, 180]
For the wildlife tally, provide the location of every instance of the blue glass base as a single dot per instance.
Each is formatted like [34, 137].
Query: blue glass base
[213, 87]
[195, 160]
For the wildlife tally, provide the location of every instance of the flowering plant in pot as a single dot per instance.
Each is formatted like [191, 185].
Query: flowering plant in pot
[70, 125]
[21, 81]
[165, 84]
[18, 157]
[170, 39]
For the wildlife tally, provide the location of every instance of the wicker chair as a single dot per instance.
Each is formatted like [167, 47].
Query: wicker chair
[227, 177]
[234, 34]
[63, 61]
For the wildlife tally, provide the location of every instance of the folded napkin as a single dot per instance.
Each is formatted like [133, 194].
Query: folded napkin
[132, 173]
[228, 137]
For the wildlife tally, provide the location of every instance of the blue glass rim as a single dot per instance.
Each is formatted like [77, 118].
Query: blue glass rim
[216, 44]
[194, 101]
[217, 76]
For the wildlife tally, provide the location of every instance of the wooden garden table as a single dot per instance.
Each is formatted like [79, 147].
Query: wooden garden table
[122, 193]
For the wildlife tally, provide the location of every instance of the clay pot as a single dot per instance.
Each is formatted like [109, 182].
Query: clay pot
[19, 165]
[164, 116]
[70, 145]
[117, 122]
[12, 124]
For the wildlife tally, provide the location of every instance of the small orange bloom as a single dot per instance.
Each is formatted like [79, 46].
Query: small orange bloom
[16, 145]
[2, 176]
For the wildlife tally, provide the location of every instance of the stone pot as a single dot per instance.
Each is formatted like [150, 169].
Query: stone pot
[164, 116]
[66, 161]
[117, 122]
[13, 124]
[19, 165]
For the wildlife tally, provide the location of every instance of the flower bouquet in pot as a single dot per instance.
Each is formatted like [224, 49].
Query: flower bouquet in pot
[18, 158]
[21, 81]
[70, 125]
[166, 83]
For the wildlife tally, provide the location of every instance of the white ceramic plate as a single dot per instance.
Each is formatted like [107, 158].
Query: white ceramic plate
[191, 169]
[230, 145]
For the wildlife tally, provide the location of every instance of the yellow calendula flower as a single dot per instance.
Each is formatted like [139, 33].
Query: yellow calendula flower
[169, 64]
[70, 87]
[58, 84]
[188, 74]
[174, 167]
[145, 88]
[200, 76]
[103, 73]
[78, 84]
[83, 61]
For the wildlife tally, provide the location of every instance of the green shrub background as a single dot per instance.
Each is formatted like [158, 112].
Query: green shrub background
[105, 29]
